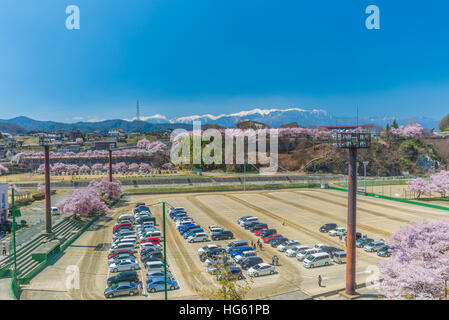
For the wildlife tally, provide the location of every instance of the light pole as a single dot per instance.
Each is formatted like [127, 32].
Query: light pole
[244, 176]
[14, 231]
[352, 140]
[110, 163]
[46, 142]
[165, 249]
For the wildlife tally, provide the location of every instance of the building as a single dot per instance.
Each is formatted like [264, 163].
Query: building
[104, 145]
[4, 206]
[249, 124]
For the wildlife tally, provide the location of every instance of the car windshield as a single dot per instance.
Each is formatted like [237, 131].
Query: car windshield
[309, 257]
[257, 266]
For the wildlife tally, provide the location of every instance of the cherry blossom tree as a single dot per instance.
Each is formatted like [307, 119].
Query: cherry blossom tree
[84, 168]
[106, 190]
[3, 170]
[133, 167]
[143, 144]
[83, 202]
[79, 141]
[412, 130]
[418, 264]
[440, 182]
[145, 167]
[420, 186]
[97, 167]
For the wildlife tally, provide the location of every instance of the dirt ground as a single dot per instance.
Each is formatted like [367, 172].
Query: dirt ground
[304, 211]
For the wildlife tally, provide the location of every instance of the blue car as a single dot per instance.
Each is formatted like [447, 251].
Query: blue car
[158, 284]
[240, 250]
[187, 229]
[182, 228]
[175, 214]
[192, 232]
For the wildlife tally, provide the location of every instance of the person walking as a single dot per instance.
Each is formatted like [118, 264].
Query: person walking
[319, 280]
[260, 246]
[272, 260]
[340, 237]
[140, 287]
[254, 247]
[4, 249]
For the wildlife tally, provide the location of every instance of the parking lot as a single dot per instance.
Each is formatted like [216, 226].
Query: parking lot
[296, 214]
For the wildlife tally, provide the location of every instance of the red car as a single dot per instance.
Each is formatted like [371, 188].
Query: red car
[112, 255]
[123, 225]
[152, 240]
[272, 237]
[259, 232]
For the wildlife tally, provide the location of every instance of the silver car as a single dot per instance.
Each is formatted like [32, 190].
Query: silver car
[124, 265]
[374, 246]
[261, 269]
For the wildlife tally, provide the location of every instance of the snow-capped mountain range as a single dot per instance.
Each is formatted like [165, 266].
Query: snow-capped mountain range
[278, 117]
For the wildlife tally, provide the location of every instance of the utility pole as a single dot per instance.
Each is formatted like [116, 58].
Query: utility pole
[46, 142]
[110, 164]
[244, 176]
[14, 232]
[365, 164]
[165, 249]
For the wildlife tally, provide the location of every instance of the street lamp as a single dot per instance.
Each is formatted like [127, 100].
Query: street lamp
[46, 142]
[351, 139]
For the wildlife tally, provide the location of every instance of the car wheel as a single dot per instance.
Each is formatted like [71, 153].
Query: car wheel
[172, 288]
[132, 268]
[312, 266]
[131, 293]
[115, 270]
[153, 290]
[256, 274]
[271, 272]
[111, 296]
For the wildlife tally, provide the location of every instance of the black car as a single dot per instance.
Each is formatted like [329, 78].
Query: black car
[250, 261]
[268, 232]
[358, 235]
[258, 226]
[221, 235]
[175, 214]
[143, 219]
[141, 208]
[274, 243]
[130, 276]
[331, 250]
[248, 224]
[211, 253]
[139, 204]
[328, 227]
[155, 254]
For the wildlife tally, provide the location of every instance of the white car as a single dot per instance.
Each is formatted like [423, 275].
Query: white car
[215, 229]
[209, 246]
[337, 232]
[147, 245]
[287, 245]
[320, 246]
[261, 269]
[302, 255]
[293, 251]
[55, 211]
[123, 265]
[173, 209]
[245, 254]
[198, 237]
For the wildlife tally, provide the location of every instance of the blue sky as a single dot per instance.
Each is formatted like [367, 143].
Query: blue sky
[183, 57]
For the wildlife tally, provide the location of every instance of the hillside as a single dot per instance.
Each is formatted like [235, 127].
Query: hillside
[12, 128]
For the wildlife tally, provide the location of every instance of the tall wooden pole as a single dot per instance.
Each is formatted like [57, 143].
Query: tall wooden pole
[47, 190]
[110, 165]
[351, 233]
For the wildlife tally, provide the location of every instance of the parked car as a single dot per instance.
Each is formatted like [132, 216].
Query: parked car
[111, 255]
[209, 246]
[287, 245]
[121, 256]
[198, 237]
[259, 232]
[212, 253]
[122, 246]
[261, 269]
[221, 235]
[267, 233]
[155, 265]
[240, 250]
[384, 251]
[158, 284]
[272, 237]
[337, 232]
[155, 254]
[243, 219]
[121, 289]
[317, 260]
[183, 227]
[234, 273]
[248, 219]
[249, 262]
[303, 254]
[292, 252]
[339, 257]
[276, 242]
[258, 226]
[245, 254]
[248, 224]
[374, 246]
[129, 276]
[157, 273]
[358, 235]
[360, 243]
[328, 227]
[215, 229]
[235, 244]
[330, 250]
[124, 265]
[192, 232]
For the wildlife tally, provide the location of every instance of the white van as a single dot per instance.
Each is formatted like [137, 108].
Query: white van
[317, 260]
[154, 266]
[55, 211]
[124, 217]
[197, 237]
[303, 254]
[249, 219]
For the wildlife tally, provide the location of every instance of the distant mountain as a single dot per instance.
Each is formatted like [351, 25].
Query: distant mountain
[12, 128]
[102, 126]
